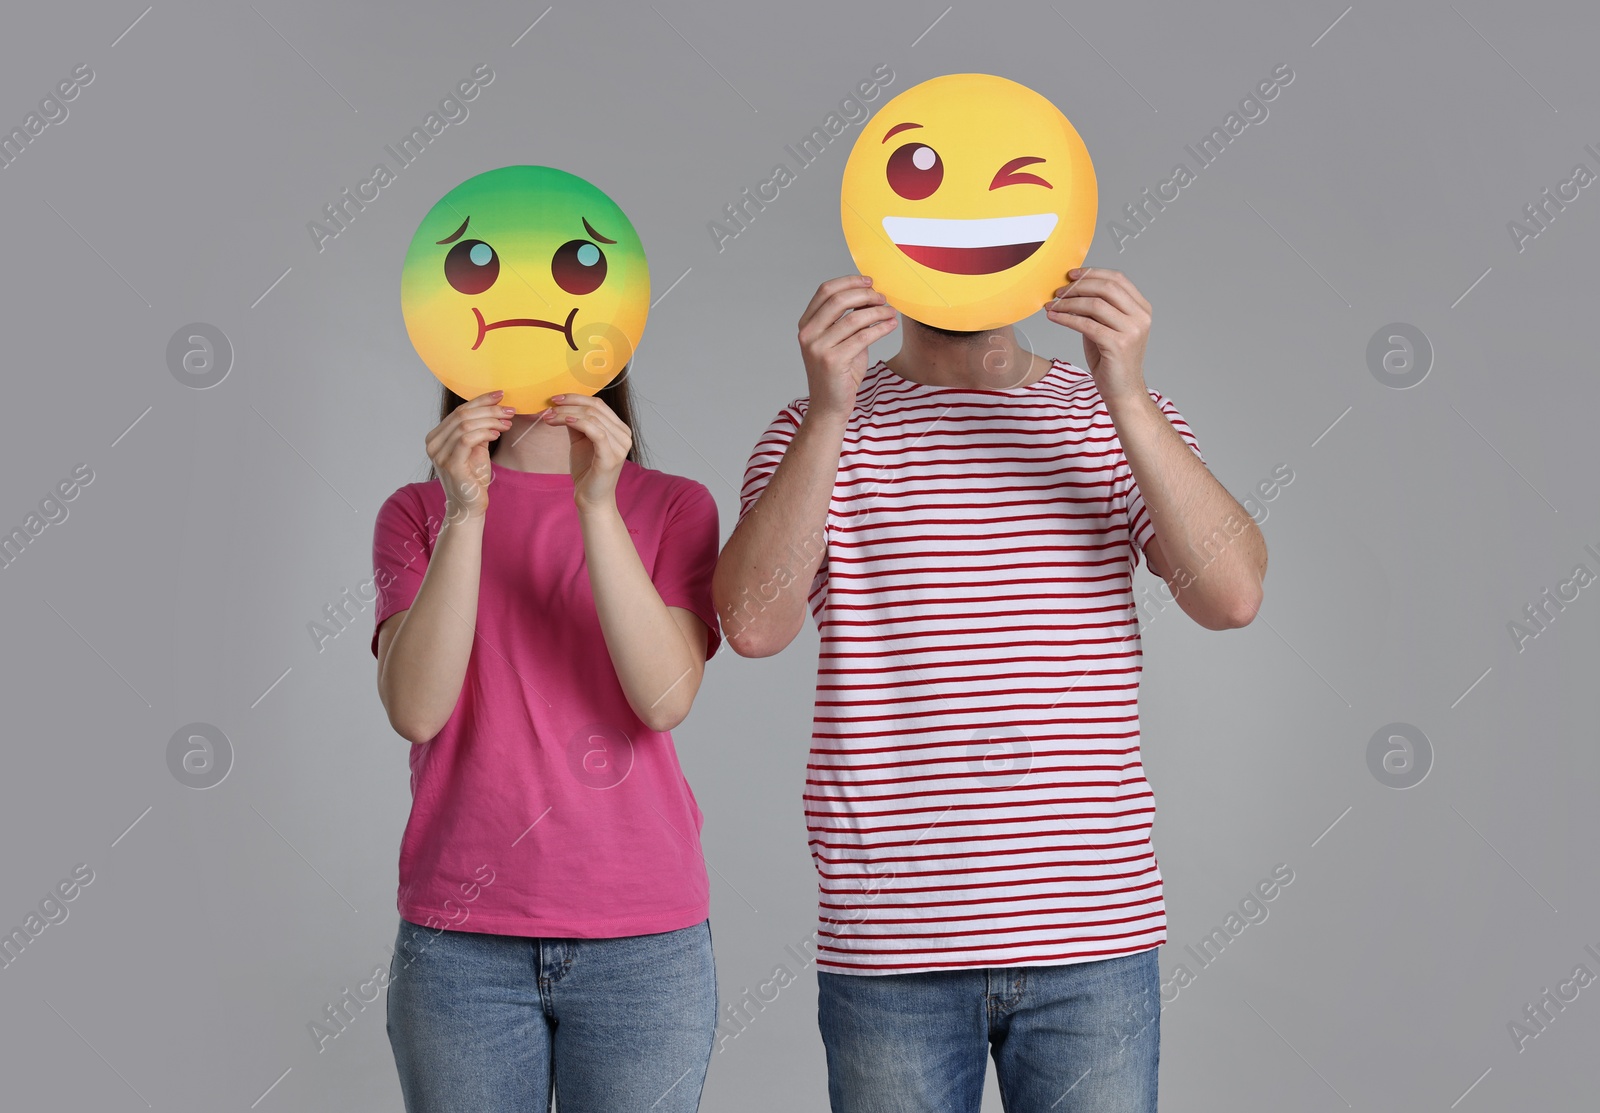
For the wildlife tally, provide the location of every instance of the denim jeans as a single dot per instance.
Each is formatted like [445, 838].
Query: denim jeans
[1081, 1038]
[484, 1023]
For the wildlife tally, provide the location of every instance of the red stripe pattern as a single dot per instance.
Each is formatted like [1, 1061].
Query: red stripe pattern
[975, 795]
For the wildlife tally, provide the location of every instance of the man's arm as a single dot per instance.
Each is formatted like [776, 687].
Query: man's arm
[779, 543]
[1207, 548]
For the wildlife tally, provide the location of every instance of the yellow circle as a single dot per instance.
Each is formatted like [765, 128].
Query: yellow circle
[525, 279]
[967, 199]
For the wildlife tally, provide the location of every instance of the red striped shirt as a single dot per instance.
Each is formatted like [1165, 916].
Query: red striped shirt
[975, 795]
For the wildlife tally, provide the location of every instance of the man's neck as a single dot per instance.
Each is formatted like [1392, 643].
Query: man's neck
[989, 360]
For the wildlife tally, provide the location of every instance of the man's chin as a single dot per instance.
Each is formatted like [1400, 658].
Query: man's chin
[953, 334]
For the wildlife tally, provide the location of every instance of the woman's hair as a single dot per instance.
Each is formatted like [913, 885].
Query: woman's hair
[619, 396]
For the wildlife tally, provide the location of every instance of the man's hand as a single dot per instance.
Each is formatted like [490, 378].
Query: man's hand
[844, 317]
[781, 542]
[1114, 320]
[1219, 588]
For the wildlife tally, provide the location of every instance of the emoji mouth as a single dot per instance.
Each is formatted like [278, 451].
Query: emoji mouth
[564, 328]
[983, 246]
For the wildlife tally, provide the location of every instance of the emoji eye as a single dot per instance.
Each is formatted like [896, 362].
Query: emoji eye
[915, 171]
[1012, 174]
[471, 267]
[579, 267]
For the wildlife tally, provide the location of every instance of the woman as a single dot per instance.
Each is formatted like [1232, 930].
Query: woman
[543, 623]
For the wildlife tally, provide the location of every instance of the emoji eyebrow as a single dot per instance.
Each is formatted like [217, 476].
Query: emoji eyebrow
[593, 234]
[1007, 174]
[897, 129]
[456, 235]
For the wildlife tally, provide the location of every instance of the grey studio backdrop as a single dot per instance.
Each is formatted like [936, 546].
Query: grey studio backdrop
[1351, 289]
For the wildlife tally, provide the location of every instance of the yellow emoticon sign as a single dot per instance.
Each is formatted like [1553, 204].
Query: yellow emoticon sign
[967, 198]
[525, 279]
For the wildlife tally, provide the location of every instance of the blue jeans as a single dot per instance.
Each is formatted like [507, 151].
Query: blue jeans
[1082, 1038]
[484, 1023]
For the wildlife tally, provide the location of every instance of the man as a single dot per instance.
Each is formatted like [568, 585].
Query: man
[968, 517]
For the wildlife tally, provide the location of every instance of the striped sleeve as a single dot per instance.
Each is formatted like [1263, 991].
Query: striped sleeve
[768, 454]
[1140, 527]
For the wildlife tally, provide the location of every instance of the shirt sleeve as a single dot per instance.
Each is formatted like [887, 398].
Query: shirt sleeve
[402, 542]
[1140, 527]
[687, 556]
[768, 454]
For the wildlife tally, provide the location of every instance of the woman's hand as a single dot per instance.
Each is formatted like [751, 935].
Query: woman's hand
[459, 449]
[600, 443]
[658, 651]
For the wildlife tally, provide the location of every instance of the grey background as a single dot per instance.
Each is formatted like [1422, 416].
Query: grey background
[219, 522]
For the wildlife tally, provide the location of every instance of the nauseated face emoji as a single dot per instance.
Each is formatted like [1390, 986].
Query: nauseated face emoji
[967, 198]
[525, 279]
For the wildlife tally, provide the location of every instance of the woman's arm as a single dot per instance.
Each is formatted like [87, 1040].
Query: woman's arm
[658, 652]
[423, 651]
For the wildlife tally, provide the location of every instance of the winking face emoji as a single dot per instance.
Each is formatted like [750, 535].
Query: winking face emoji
[967, 198]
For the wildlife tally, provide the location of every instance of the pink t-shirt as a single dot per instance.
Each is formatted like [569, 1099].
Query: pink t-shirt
[544, 807]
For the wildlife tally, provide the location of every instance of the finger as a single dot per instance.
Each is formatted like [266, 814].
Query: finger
[1098, 272]
[488, 421]
[1062, 291]
[1100, 288]
[836, 309]
[458, 447]
[558, 415]
[580, 400]
[469, 441]
[1098, 308]
[462, 470]
[852, 324]
[1117, 279]
[1087, 326]
[442, 442]
[828, 289]
[477, 408]
[582, 404]
[444, 435]
[487, 400]
[597, 432]
[1126, 283]
[452, 435]
[864, 339]
[484, 403]
[588, 404]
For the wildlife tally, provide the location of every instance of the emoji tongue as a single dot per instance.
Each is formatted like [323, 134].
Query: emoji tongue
[970, 260]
